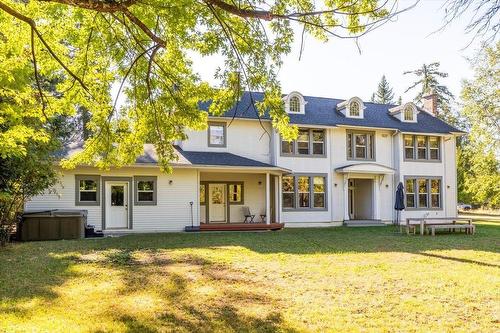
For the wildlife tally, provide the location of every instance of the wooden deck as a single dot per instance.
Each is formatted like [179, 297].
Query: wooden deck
[240, 226]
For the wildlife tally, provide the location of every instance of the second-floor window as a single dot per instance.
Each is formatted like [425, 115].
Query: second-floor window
[309, 142]
[217, 135]
[422, 147]
[360, 145]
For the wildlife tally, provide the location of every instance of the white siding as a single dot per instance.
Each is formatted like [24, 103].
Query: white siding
[172, 212]
[307, 165]
[244, 137]
[446, 169]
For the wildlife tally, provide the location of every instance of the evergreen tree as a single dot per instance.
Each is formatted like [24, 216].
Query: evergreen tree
[428, 80]
[384, 94]
[400, 100]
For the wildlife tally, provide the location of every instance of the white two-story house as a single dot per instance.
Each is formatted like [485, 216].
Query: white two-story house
[344, 166]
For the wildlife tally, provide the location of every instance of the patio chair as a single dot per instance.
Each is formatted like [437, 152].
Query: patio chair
[248, 216]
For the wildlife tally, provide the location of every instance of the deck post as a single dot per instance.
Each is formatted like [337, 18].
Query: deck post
[268, 198]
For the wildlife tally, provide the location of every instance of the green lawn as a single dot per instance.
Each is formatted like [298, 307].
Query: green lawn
[295, 280]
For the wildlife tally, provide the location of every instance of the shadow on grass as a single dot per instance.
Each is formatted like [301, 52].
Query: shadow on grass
[33, 270]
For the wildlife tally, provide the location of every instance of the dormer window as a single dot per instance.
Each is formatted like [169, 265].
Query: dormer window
[408, 113]
[295, 103]
[352, 108]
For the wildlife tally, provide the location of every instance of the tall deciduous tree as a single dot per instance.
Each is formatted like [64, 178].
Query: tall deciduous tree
[479, 153]
[384, 94]
[145, 48]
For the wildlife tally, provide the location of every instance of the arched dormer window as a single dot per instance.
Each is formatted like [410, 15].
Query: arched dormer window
[409, 113]
[352, 108]
[406, 112]
[295, 103]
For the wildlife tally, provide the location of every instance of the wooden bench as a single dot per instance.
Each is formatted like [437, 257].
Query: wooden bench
[469, 228]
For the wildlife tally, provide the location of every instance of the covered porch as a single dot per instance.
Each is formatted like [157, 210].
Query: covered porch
[362, 192]
[238, 199]
[234, 192]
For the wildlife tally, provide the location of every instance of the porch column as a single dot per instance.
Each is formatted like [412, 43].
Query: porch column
[268, 198]
[346, 197]
[278, 200]
[376, 197]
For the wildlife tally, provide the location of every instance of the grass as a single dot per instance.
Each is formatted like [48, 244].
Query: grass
[295, 280]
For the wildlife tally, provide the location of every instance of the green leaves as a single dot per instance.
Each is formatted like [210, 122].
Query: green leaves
[129, 65]
[479, 154]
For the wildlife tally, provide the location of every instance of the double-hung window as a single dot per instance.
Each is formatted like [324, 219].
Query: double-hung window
[310, 142]
[303, 142]
[360, 145]
[304, 192]
[87, 190]
[422, 147]
[423, 192]
[145, 190]
[288, 191]
[217, 134]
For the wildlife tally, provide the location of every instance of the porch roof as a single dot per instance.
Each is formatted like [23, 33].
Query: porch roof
[206, 158]
[371, 168]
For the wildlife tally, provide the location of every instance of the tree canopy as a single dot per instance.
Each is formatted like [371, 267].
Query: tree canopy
[479, 153]
[145, 49]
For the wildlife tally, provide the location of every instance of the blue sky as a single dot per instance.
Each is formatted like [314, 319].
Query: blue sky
[337, 69]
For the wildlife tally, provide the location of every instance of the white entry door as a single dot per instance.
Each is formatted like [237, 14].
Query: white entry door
[117, 205]
[217, 204]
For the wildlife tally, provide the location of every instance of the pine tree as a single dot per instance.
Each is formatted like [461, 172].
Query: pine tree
[400, 100]
[384, 94]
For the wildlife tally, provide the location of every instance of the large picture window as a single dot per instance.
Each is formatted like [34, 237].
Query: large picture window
[145, 190]
[360, 145]
[87, 190]
[310, 142]
[423, 193]
[422, 147]
[217, 134]
[304, 192]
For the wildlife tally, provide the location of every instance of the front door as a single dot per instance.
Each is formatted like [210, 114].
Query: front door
[117, 205]
[217, 206]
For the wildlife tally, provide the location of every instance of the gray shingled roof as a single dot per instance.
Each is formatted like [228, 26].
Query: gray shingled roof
[323, 111]
[185, 158]
[222, 159]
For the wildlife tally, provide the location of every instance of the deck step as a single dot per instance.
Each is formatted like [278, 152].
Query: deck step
[364, 223]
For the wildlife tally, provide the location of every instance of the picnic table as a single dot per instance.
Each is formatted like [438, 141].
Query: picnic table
[434, 223]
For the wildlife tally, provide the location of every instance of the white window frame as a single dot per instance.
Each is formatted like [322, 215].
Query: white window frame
[302, 102]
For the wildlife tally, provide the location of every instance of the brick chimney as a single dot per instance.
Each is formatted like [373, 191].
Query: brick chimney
[431, 103]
